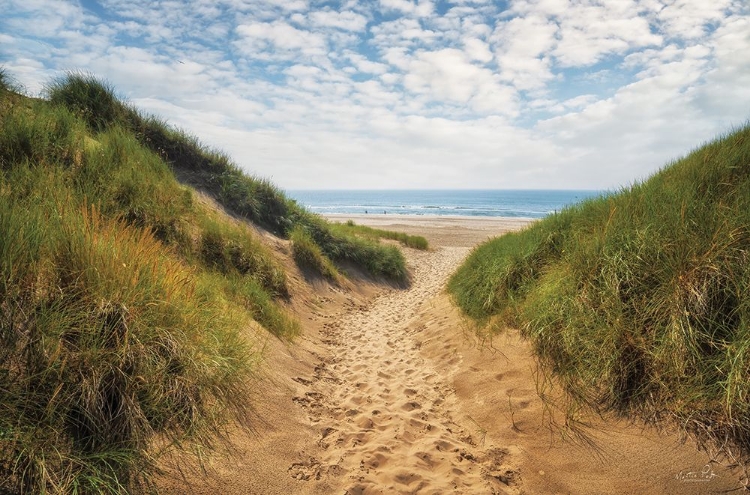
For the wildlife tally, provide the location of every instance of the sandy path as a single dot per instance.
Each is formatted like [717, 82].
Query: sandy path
[388, 391]
[386, 417]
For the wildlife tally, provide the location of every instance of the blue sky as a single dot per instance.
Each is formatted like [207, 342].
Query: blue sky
[411, 93]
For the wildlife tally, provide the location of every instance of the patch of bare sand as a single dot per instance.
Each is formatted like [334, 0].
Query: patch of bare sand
[388, 392]
[264, 460]
[490, 395]
[386, 415]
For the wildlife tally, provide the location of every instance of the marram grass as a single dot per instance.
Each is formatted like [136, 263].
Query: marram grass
[253, 198]
[412, 241]
[308, 255]
[120, 339]
[638, 301]
[109, 347]
[121, 297]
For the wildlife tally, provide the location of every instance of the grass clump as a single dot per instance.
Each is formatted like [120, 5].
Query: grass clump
[637, 301]
[377, 259]
[8, 86]
[109, 347]
[55, 139]
[230, 250]
[308, 255]
[412, 241]
[93, 101]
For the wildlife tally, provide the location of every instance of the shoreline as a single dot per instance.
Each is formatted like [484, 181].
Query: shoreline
[440, 230]
[429, 217]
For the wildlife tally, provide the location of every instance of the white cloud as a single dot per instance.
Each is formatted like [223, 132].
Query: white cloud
[546, 93]
[587, 39]
[477, 49]
[522, 46]
[447, 75]
[690, 19]
[347, 20]
[277, 39]
[420, 8]
[402, 32]
[725, 93]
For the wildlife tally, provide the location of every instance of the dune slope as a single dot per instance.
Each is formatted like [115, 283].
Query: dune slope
[389, 391]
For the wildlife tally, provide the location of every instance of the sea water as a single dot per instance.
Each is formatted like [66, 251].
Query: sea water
[475, 203]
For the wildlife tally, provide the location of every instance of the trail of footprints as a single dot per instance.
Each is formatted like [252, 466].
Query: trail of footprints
[385, 416]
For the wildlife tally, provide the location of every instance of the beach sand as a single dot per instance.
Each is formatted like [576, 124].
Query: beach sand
[388, 390]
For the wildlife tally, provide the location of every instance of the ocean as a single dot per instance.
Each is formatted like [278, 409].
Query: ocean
[475, 203]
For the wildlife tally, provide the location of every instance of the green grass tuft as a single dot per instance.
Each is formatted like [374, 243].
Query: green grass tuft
[94, 101]
[378, 260]
[263, 309]
[54, 139]
[412, 241]
[637, 301]
[8, 85]
[107, 347]
[308, 255]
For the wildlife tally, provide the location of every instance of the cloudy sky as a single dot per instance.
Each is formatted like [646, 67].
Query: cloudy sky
[313, 94]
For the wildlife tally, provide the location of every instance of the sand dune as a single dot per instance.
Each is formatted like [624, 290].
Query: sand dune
[390, 392]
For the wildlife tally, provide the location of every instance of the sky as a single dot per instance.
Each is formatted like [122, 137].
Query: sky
[410, 94]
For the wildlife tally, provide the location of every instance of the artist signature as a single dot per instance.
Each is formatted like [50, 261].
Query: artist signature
[706, 473]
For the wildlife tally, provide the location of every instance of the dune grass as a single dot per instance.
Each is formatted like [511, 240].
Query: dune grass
[349, 242]
[109, 346]
[250, 197]
[121, 307]
[637, 301]
[308, 255]
[122, 297]
[351, 228]
[9, 87]
[378, 260]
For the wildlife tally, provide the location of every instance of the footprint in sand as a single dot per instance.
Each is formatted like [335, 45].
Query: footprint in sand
[396, 445]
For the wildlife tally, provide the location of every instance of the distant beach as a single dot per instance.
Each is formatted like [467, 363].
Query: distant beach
[441, 230]
[464, 203]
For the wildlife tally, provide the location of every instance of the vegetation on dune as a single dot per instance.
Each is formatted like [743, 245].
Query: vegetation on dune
[122, 299]
[308, 255]
[109, 346]
[118, 338]
[638, 301]
[377, 259]
[255, 199]
[8, 87]
[412, 241]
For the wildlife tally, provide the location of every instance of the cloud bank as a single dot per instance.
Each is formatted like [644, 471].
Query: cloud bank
[411, 93]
